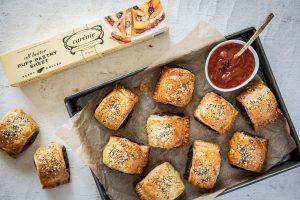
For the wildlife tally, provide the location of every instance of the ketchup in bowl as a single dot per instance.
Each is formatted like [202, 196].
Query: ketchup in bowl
[226, 72]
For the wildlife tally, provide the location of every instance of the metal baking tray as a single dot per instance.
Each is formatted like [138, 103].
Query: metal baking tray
[265, 72]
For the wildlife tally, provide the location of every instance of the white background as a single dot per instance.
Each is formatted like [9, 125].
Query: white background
[24, 22]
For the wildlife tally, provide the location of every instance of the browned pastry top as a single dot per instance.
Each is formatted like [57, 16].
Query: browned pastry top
[260, 104]
[16, 127]
[162, 183]
[51, 165]
[168, 131]
[206, 163]
[217, 113]
[115, 107]
[123, 155]
[247, 152]
[175, 86]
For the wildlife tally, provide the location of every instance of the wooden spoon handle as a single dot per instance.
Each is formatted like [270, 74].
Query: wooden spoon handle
[255, 35]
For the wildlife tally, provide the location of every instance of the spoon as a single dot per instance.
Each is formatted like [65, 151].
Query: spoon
[255, 35]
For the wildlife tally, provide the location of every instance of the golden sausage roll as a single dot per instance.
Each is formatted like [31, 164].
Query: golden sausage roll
[215, 112]
[162, 183]
[115, 107]
[248, 152]
[175, 86]
[205, 164]
[168, 131]
[52, 165]
[17, 132]
[260, 104]
[123, 155]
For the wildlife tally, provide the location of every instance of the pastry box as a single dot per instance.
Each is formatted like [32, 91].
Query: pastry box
[85, 43]
[74, 105]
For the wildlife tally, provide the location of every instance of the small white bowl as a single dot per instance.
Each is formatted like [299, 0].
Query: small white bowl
[244, 83]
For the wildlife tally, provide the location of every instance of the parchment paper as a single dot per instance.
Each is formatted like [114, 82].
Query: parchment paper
[84, 134]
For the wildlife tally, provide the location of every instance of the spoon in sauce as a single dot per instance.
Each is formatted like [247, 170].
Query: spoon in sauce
[254, 36]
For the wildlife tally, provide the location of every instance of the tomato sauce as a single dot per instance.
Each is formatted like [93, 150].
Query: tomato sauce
[226, 72]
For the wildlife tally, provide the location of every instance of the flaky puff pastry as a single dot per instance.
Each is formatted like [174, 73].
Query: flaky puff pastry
[205, 164]
[168, 131]
[115, 107]
[17, 131]
[260, 104]
[162, 183]
[175, 86]
[123, 155]
[215, 112]
[52, 165]
[248, 152]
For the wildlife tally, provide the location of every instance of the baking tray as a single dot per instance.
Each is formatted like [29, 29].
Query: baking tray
[265, 72]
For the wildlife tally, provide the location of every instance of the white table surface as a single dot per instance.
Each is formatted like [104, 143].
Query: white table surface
[24, 22]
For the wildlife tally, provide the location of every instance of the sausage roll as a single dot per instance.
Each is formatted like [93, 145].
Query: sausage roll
[123, 155]
[168, 131]
[260, 104]
[205, 164]
[215, 112]
[115, 107]
[175, 86]
[52, 165]
[17, 132]
[162, 183]
[247, 152]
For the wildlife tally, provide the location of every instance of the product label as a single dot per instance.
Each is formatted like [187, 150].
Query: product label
[85, 43]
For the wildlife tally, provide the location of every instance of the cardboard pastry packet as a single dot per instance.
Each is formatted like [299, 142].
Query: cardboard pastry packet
[85, 43]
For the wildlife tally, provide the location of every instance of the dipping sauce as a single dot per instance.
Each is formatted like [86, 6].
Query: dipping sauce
[226, 72]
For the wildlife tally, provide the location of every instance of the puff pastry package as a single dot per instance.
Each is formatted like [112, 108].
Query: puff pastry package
[17, 132]
[184, 61]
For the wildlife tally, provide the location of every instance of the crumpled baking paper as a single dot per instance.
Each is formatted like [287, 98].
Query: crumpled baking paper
[87, 137]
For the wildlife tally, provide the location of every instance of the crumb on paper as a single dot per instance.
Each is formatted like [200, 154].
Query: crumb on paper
[145, 86]
[76, 90]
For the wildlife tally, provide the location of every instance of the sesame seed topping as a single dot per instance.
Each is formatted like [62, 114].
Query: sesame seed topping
[161, 132]
[13, 128]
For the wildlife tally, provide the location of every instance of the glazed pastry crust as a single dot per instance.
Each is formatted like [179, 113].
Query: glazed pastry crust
[175, 86]
[168, 131]
[148, 20]
[112, 19]
[123, 31]
[115, 107]
[162, 183]
[123, 155]
[16, 130]
[205, 166]
[247, 152]
[260, 104]
[215, 112]
[51, 165]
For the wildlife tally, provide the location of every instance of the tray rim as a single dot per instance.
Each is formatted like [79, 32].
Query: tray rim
[280, 168]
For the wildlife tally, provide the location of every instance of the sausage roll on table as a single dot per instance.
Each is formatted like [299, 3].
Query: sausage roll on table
[247, 152]
[17, 132]
[52, 165]
[167, 131]
[175, 86]
[260, 104]
[205, 164]
[215, 112]
[123, 155]
[162, 183]
[115, 107]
